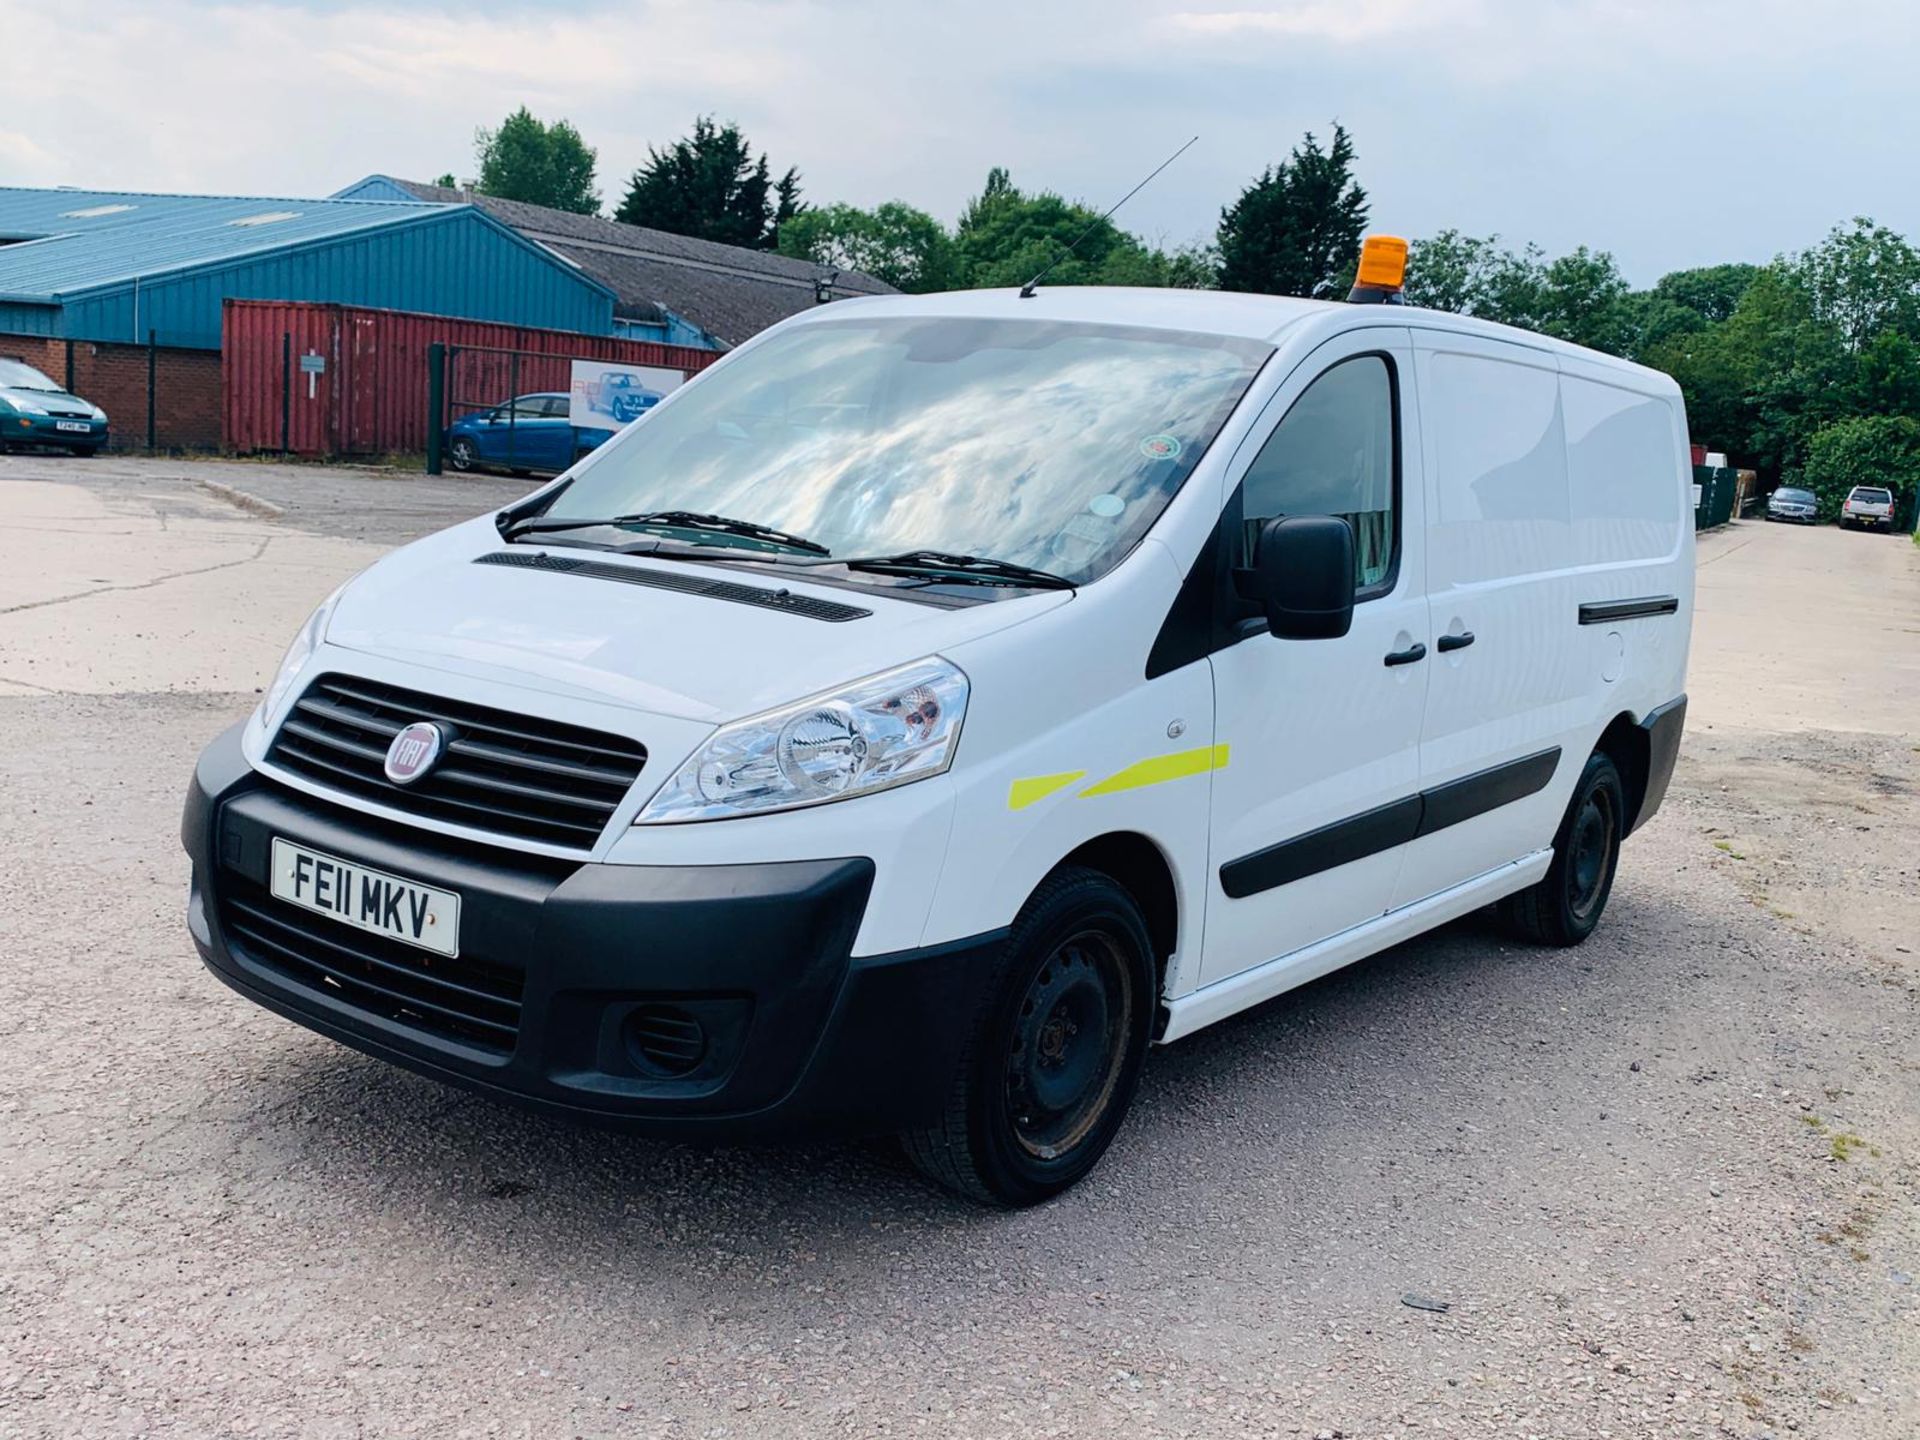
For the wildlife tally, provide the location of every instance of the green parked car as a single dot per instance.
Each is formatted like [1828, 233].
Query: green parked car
[35, 411]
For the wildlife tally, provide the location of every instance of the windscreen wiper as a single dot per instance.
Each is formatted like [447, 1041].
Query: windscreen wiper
[961, 569]
[672, 520]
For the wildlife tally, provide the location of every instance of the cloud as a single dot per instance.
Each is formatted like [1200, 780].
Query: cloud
[1346, 22]
[1671, 133]
[25, 159]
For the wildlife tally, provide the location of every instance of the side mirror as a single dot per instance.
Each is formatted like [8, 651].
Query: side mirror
[1302, 576]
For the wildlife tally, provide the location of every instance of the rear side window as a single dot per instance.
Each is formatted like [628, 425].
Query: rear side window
[556, 407]
[1622, 472]
[1334, 453]
[1499, 456]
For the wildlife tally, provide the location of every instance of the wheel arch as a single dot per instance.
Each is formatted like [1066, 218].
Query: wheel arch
[1140, 867]
[1625, 741]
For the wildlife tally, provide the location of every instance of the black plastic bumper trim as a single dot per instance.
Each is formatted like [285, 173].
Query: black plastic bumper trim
[1664, 725]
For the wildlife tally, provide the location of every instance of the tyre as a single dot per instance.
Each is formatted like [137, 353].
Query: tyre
[463, 454]
[1565, 906]
[1053, 1055]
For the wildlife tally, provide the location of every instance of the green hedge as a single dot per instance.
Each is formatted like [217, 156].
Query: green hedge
[1866, 450]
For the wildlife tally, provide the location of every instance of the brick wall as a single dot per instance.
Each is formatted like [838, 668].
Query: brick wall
[186, 388]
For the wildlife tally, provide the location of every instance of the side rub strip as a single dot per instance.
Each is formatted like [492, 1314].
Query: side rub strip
[1396, 823]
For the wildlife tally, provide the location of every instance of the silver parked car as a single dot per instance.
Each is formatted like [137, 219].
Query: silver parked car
[1868, 505]
[1788, 503]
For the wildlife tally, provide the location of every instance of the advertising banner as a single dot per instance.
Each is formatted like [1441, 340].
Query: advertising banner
[607, 395]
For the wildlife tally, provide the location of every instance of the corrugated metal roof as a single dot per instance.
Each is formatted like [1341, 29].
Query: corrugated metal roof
[74, 241]
[729, 291]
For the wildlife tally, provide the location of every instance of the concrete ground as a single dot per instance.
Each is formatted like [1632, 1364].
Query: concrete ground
[1665, 1183]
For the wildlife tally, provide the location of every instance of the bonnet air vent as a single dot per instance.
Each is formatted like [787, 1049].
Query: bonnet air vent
[784, 601]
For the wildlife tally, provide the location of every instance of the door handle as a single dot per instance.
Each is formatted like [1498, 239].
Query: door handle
[1456, 642]
[1417, 651]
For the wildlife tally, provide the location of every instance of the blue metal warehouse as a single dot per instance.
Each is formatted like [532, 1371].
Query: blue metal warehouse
[112, 266]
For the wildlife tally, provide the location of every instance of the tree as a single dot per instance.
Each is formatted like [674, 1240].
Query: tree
[446, 181]
[709, 184]
[1711, 291]
[1453, 272]
[1006, 237]
[894, 242]
[1296, 230]
[541, 164]
[1863, 278]
[1580, 299]
[1863, 450]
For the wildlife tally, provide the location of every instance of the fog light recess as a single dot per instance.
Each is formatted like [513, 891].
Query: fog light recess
[665, 1040]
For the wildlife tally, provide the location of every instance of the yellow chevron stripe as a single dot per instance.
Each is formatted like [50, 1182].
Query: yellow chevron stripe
[1161, 768]
[1025, 792]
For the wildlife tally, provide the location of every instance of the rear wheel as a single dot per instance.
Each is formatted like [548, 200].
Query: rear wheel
[1565, 906]
[1055, 1052]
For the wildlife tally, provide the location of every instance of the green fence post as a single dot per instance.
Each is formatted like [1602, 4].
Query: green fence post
[436, 403]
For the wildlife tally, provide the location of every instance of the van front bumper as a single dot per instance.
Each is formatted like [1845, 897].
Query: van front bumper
[717, 1001]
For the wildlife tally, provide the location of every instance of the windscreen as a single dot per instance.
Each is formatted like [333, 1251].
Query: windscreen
[1873, 497]
[1049, 445]
[17, 376]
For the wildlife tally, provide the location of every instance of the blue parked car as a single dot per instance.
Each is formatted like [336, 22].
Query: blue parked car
[530, 432]
[35, 411]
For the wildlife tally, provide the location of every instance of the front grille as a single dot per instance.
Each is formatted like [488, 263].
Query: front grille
[471, 1000]
[512, 774]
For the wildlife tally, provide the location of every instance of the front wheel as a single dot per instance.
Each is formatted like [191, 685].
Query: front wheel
[1055, 1052]
[463, 454]
[1564, 907]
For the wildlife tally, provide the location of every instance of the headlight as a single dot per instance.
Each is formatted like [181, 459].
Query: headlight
[28, 407]
[99, 414]
[295, 660]
[873, 735]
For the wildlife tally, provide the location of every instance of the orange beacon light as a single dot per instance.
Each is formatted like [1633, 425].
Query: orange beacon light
[1381, 278]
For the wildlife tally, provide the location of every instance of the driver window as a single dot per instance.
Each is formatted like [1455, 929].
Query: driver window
[1332, 454]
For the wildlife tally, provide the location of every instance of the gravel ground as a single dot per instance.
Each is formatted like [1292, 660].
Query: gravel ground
[1664, 1184]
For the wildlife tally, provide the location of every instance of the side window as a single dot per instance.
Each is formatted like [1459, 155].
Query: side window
[1333, 454]
[555, 407]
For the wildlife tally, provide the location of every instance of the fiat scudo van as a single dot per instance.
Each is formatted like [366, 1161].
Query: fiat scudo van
[944, 698]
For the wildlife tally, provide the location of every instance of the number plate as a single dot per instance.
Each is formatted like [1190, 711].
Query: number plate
[367, 899]
[82, 426]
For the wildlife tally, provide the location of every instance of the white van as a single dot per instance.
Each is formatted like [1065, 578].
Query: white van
[943, 698]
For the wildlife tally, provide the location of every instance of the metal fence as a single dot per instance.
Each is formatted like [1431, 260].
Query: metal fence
[341, 380]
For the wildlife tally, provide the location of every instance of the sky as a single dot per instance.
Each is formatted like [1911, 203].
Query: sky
[1671, 134]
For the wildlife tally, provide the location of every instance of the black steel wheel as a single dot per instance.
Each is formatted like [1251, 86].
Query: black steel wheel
[1054, 1055]
[1566, 904]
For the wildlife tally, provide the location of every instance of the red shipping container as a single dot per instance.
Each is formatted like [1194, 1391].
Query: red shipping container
[336, 380]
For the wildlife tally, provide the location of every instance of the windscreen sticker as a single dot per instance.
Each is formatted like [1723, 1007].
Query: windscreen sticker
[1161, 447]
[1107, 506]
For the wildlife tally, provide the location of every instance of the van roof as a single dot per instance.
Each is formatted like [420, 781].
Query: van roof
[1207, 312]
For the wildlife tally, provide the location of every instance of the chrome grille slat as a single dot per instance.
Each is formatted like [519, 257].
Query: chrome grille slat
[515, 775]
